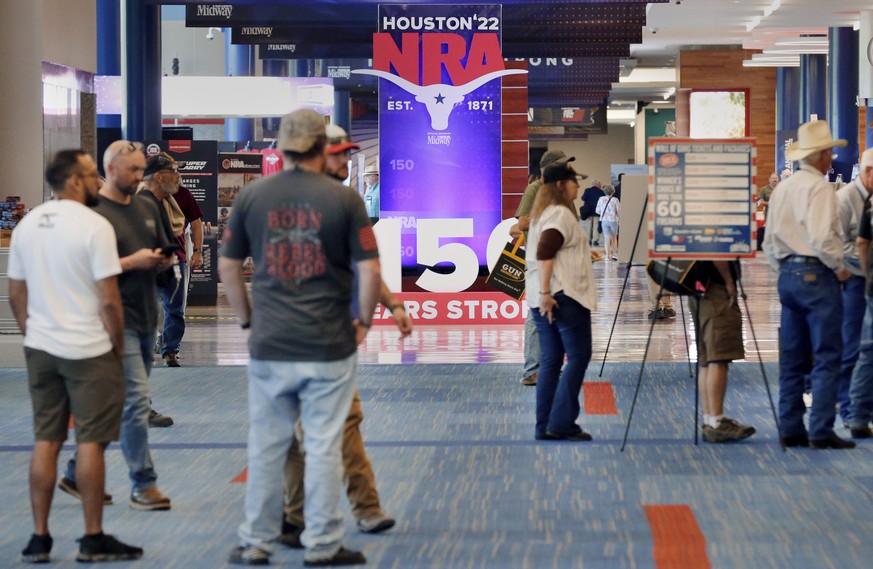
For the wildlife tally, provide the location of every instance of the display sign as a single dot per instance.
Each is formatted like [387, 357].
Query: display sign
[199, 175]
[236, 170]
[493, 308]
[439, 121]
[700, 198]
[571, 120]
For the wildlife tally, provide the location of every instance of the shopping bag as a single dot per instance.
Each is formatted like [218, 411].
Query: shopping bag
[508, 274]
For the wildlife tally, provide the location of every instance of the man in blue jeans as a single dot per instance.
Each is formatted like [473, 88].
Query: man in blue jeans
[140, 238]
[304, 231]
[852, 199]
[861, 387]
[804, 245]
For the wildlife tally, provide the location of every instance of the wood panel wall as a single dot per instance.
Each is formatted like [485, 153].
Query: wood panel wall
[723, 69]
[514, 138]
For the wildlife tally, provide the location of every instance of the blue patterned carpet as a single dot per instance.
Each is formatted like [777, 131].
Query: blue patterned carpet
[456, 464]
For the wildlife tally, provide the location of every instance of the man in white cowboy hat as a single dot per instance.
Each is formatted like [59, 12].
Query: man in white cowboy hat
[371, 192]
[803, 243]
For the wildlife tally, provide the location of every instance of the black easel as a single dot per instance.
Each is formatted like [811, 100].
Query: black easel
[694, 372]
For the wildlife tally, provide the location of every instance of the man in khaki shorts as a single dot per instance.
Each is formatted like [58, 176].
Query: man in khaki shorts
[719, 341]
[63, 288]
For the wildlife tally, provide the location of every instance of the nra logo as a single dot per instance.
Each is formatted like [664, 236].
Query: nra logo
[419, 61]
[215, 10]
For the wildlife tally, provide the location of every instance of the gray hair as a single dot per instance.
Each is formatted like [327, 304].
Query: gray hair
[608, 189]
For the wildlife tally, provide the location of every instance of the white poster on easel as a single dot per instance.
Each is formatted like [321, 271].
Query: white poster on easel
[700, 198]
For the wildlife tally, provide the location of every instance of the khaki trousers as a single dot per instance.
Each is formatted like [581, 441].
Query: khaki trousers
[358, 476]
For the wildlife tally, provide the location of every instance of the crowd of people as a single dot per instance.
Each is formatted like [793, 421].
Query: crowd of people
[114, 249]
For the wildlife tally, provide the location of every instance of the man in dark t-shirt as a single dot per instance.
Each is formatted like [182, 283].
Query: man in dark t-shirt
[303, 231]
[140, 237]
[861, 385]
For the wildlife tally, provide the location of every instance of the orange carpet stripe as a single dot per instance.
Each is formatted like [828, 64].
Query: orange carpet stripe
[678, 541]
[242, 477]
[599, 398]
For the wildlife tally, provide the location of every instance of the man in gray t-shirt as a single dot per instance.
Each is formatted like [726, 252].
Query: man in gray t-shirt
[140, 237]
[303, 231]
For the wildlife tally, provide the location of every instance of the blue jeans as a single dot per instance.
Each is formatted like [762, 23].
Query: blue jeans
[320, 394]
[861, 390]
[531, 346]
[853, 317]
[174, 313]
[135, 416]
[810, 323]
[558, 392]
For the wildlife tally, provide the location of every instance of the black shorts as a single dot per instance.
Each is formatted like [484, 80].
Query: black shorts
[92, 390]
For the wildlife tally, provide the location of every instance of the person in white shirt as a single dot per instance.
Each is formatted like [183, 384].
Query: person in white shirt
[561, 294]
[803, 244]
[63, 288]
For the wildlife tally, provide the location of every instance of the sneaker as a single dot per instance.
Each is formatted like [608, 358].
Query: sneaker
[668, 313]
[530, 380]
[149, 499]
[38, 549]
[655, 314]
[375, 524]
[290, 536]
[248, 555]
[103, 547]
[341, 557]
[727, 430]
[69, 486]
[171, 359]
[158, 420]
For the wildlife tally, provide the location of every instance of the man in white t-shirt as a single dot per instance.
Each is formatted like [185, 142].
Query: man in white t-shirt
[63, 288]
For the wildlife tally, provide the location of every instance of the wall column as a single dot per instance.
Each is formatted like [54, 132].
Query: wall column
[813, 86]
[141, 71]
[239, 62]
[842, 99]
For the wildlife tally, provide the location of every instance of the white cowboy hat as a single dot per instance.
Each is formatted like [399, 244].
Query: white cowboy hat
[812, 137]
[372, 169]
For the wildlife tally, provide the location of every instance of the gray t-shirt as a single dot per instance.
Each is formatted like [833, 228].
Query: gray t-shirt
[137, 225]
[303, 231]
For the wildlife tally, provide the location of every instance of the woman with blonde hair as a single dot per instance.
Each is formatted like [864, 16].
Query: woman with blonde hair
[609, 210]
[561, 295]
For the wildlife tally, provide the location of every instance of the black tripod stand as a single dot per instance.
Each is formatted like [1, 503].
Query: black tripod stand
[694, 372]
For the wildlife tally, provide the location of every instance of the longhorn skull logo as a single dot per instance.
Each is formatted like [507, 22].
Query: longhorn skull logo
[439, 99]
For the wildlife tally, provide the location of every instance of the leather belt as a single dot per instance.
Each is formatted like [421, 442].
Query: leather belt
[801, 259]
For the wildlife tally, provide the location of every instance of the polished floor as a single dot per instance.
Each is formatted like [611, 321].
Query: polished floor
[213, 337]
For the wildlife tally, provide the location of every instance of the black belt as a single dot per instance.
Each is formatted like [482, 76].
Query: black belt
[801, 259]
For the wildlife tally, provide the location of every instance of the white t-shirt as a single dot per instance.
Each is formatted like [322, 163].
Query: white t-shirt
[571, 271]
[61, 249]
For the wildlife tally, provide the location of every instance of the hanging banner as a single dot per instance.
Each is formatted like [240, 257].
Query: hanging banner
[700, 198]
[200, 176]
[439, 125]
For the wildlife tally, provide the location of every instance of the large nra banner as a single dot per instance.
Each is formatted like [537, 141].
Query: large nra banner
[700, 198]
[439, 124]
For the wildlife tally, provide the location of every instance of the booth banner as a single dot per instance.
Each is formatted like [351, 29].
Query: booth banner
[700, 198]
[439, 121]
[236, 170]
[457, 309]
[200, 176]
